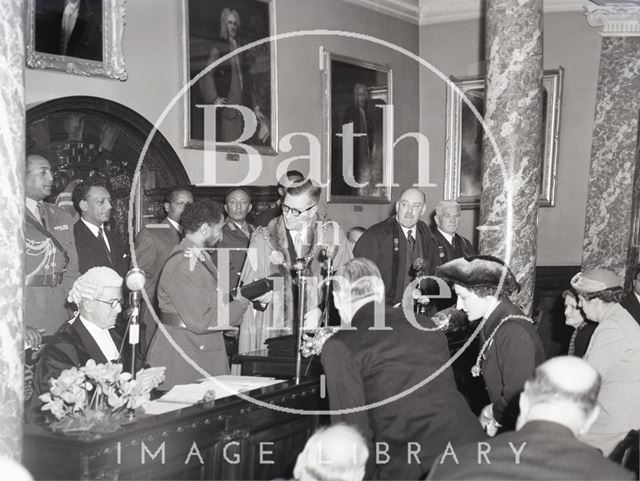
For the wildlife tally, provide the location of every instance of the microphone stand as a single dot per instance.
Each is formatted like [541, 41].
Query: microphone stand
[324, 321]
[302, 284]
[134, 329]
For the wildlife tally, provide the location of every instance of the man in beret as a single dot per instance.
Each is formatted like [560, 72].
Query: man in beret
[510, 347]
[614, 351]
[89, 335]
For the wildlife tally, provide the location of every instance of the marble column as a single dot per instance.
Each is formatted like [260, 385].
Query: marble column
[12, 155]
[615, 137]
[511, 166]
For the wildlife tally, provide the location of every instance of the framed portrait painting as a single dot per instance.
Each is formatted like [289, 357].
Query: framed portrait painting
[463, 169]
[242, 87]
[81, 37]
[354, 92]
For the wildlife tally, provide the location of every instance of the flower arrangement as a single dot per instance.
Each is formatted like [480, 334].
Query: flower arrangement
[97, 397]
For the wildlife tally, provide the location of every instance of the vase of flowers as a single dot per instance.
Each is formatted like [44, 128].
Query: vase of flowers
[97, 397]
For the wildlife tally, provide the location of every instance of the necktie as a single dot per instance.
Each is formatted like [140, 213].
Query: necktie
[572, 343]
[411, 240]
[104, 243]
[40, 208]
[297, 243]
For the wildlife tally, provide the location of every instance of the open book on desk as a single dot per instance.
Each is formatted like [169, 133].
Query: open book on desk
[185, 395]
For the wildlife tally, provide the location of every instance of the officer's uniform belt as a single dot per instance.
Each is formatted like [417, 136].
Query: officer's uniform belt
[172, 319]
[48, 280]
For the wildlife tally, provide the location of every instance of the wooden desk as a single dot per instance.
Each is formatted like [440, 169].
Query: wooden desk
[261, 363]
[222, 441]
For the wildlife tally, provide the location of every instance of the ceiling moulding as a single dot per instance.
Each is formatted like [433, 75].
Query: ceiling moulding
[407, 10]
[442, 11]
[614, 19]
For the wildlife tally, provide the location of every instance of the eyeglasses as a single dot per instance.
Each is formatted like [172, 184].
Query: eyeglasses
[295, 212]
[113, 303]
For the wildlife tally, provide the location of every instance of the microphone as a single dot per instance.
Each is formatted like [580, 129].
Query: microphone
[134, 280]
[418, 264]
[331, 251]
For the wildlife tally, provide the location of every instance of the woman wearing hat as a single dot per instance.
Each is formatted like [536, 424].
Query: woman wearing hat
[614, 351]
[510, 347]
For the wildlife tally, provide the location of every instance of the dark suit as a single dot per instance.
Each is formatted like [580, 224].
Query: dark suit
[233, 238]
[551, 452]
[187, 292]
[92, 253]
[631, 304]
[367, 366]
[509, 361]
[72, 345]
[154, 243]
[86, 37]
[448, 251]
[47, 286]
[385, 244]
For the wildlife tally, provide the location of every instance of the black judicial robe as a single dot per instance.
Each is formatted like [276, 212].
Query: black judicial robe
[385, 244]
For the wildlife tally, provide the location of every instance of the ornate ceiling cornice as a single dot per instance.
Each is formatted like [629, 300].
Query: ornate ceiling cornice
[426, 12]
[614, 19]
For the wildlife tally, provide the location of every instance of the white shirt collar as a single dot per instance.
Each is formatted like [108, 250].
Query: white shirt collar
[32, 205]
[406, 231]
[449, 237]
[637, 296]
[175, 225]
[103, 339]
[92, 227]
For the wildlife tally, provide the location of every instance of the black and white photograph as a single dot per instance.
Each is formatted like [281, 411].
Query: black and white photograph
[319, 240]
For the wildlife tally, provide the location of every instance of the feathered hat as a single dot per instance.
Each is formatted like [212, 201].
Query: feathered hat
[479, 271]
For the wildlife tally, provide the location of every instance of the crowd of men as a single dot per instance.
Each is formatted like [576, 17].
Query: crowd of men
[389, 374]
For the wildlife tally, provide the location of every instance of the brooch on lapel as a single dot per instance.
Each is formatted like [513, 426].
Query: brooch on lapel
[396, 244]
[60, 228]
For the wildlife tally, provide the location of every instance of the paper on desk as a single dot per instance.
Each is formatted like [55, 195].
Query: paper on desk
[226, 386]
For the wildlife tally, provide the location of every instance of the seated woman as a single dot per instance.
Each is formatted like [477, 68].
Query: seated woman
[583, 328]
[510, 347]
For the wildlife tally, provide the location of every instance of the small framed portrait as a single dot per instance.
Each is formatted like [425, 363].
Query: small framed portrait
[463, 167]
[82, 37]
[237, 96]
[354, 92]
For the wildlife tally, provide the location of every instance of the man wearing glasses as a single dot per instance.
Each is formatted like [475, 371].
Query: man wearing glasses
[402, 246]
[98, 295]
[299, 233]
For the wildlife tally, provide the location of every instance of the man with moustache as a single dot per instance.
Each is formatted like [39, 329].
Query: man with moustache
[154, 243]
[396, 243]
[97, 245]
[193, 311]
[450, 244]
[51, 261]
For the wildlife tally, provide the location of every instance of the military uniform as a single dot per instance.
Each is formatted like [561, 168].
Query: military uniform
[188, 302]
[51, 268]
[154, 244]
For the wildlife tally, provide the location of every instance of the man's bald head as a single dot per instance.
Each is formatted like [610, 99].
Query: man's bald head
[563, 389]
[336, 453]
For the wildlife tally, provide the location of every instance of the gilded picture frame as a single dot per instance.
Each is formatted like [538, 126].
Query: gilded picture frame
[462, 179]
[345, 79]
[86, 42]
[248, 79]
